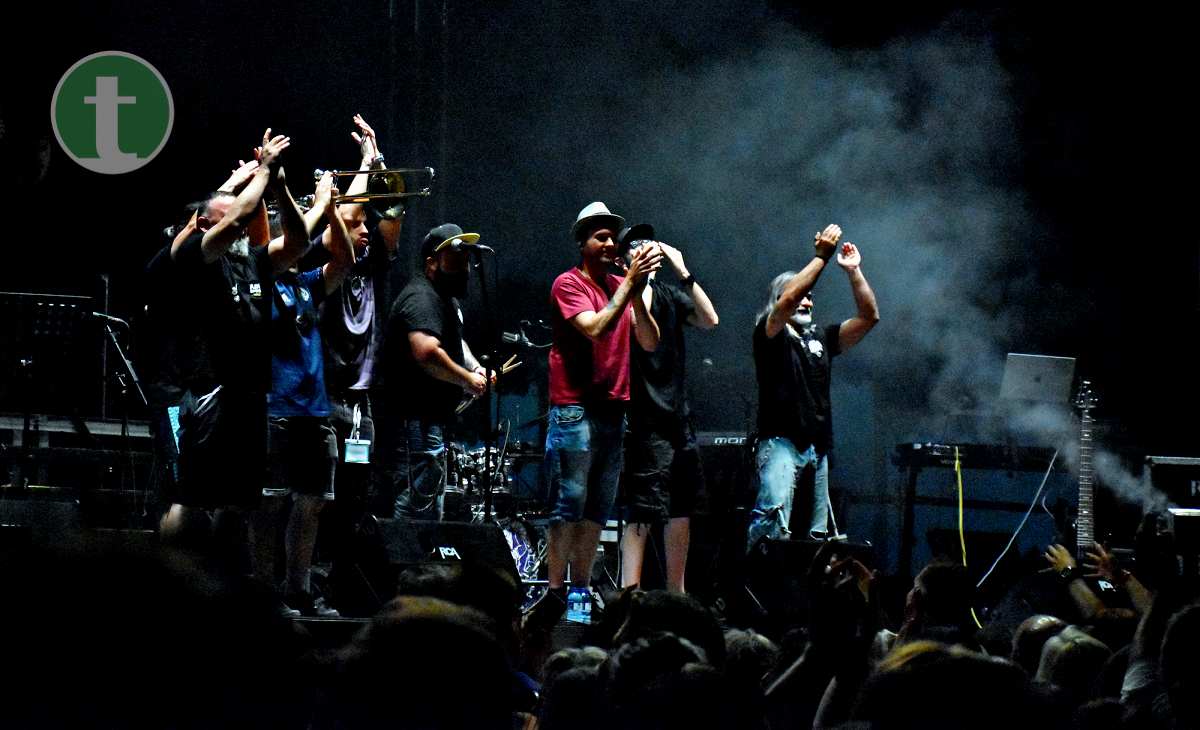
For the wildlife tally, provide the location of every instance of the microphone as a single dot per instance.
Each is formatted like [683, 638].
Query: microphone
[110, 319]
[459, 246]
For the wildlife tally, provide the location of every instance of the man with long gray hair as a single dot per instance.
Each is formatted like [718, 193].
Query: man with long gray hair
[792, 363]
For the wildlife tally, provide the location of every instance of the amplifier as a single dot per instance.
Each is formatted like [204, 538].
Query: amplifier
[1177, 477]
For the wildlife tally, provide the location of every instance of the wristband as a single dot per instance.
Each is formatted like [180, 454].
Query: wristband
[1068, 574]
[377, 159]
[689, 282]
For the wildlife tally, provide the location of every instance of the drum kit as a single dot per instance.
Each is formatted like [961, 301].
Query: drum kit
[516, 505]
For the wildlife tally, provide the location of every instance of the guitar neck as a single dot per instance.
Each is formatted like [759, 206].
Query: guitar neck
[1085, 527]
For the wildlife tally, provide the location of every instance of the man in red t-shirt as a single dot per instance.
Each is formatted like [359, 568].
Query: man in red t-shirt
[589, 391]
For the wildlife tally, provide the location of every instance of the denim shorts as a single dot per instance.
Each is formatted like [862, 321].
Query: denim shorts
[584, 456]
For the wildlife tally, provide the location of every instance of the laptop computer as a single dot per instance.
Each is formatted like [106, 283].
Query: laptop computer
[1037, 378]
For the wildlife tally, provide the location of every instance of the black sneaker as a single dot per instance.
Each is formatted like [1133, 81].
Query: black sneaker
[310, 607]
[543, 615]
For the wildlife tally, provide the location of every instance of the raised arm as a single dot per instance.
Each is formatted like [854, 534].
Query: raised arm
[1062, 563]
[703, 315]
[287, 249]
[371, 158]
[339, 244]
[645, 328]
[854, 329]
[645, 260]
[258, 230]
[222, 235]
[802, 283]
[1104, 565]
[234, 184]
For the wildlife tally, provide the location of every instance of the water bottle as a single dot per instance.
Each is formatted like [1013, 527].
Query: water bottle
[579, 605]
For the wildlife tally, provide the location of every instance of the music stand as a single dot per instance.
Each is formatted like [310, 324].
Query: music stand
[39, 334]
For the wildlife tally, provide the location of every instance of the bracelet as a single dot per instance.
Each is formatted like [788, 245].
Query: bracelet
[1068, 574]
[689, 282]
[377, 159]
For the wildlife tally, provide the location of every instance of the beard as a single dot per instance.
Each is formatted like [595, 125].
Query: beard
[240, 247]
[802, 320]
[451, 285]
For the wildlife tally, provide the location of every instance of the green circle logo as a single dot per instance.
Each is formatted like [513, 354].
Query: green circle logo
[112, 112]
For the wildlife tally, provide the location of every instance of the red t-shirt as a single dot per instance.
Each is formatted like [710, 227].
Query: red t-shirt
[583, 370]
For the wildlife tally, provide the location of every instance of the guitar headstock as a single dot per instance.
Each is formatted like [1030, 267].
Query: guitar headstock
[1086, 399]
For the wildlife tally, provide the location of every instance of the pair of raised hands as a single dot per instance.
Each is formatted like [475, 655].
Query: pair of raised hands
[825, 244]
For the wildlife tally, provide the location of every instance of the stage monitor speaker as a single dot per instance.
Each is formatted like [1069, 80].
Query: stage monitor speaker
[364, 578]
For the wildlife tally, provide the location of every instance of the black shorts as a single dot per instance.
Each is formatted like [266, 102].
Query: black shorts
[662, 481]
[353, 479]
[222, 448]
[303, 457]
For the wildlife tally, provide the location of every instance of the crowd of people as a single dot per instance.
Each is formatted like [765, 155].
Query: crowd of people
[157, 637]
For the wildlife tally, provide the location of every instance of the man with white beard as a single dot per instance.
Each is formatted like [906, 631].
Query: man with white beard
[792, 364]
[227, 284]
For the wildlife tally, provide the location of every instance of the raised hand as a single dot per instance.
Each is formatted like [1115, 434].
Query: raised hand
[825, 242]
[1103, 564]
[644, 261]
[848, 257]
[239, 177]
[272, 147]
[674, 256]
[365, 139]
[1059, 558]
[323, 194]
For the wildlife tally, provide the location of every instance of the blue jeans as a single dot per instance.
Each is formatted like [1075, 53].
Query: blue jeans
[584, 456]
[780, 466]
[419, 477]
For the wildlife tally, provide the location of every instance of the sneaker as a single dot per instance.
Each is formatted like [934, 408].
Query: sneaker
[543, 615]
[287, 611]
[306, 605]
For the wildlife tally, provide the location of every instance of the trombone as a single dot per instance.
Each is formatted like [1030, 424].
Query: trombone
[385, 187]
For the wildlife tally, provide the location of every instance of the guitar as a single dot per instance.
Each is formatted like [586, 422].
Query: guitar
[1085, 518]
[1085, 523]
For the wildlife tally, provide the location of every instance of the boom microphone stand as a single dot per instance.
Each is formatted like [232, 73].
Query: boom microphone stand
[491, 338]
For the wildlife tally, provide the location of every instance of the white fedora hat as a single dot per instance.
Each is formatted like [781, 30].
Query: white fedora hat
[593, 215]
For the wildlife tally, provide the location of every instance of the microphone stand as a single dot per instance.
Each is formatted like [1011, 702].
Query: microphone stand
[493, 426]
[127, 379]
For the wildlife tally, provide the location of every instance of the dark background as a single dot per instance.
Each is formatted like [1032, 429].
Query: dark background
[1015, 177]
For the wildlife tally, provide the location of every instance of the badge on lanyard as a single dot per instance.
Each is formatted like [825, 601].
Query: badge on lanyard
[358, 451]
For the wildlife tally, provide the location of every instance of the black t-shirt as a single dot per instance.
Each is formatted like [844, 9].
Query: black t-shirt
[231, 298]
[793, 384]
[171, 354]
[411, 391]
[658, 396]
